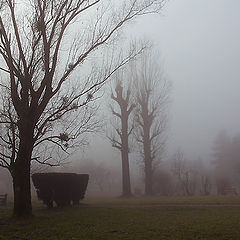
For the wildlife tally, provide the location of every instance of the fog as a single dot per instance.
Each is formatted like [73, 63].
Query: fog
[200, 54]
[198, 41]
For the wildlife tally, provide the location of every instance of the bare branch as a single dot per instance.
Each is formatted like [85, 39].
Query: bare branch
[44, 162]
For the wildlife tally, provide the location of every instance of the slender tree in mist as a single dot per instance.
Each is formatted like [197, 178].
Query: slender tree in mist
[185, 174]
[151, 116]
[221, 150]
[50, 76]
[226, 153]
[126, 107]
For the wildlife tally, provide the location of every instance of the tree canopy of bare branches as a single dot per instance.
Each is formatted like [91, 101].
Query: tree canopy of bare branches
[50, 63]
[151, 115]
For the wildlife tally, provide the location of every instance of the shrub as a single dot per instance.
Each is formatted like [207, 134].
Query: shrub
[63, 188]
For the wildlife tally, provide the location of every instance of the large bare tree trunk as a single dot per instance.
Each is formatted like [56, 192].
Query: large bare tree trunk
[148, 179]
[126, 183]
[21, 173]
[22, 190]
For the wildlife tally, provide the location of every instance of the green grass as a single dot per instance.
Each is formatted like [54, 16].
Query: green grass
[129, 220]
[193, 200]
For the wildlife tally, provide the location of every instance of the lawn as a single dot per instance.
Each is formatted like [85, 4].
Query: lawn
[134, 219]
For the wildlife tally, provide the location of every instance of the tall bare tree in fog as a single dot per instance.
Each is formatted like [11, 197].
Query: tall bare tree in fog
[226, 152]
[185, 174]
[123, 101]
[40, 59]
[151, 117]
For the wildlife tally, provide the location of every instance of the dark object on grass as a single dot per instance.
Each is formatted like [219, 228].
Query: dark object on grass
[63, 188]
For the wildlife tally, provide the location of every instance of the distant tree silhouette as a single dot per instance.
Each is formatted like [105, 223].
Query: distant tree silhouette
[151, 116]
[122, 99]
[226, 153]
[186, 175]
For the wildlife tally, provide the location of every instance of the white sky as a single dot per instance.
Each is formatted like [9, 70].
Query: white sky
[200, 46]
[199, 42]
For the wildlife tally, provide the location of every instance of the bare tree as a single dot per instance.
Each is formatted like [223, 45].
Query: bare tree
[186, 175]
[205, 187]
[40, 59]
[226, 152]
[151, 116]
[126, 107]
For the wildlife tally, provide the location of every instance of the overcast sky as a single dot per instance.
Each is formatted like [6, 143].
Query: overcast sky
[199, 42]
[200, 46]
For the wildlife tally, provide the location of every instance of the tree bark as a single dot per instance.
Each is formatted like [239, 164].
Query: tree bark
[147, 158]
[148, 178]
[22, 190]
[21, 173]
[123, 134]
[126, 183]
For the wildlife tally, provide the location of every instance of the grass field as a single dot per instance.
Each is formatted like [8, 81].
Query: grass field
[133, 219]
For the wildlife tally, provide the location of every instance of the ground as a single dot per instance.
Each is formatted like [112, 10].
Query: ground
[200, 218]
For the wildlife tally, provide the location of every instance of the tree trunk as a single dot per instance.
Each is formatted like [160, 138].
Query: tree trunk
[126, 184]
[148, 179]
[147, 162]
[22, 190]
[124, 134]
[21, 174]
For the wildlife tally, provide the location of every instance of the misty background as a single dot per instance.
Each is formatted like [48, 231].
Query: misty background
[200, 54]
[199, 44]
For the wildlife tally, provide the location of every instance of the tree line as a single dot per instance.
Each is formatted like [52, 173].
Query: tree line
[178, 175]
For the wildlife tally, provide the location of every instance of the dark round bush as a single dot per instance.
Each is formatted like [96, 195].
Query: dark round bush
[61, 188]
